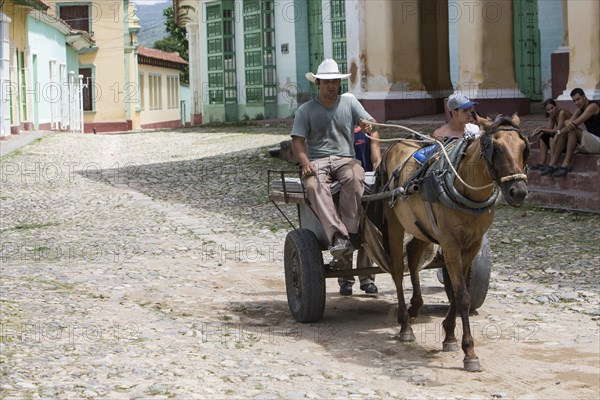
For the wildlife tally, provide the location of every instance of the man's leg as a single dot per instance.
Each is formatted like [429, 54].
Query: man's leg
[321, 202]
[346, 282]
[351, 176]
[367, 282]
[560, 144]
[589, 143]
[574, 137]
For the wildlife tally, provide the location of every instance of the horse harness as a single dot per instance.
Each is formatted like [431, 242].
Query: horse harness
[435, 179]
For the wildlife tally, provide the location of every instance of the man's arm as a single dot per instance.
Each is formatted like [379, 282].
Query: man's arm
[375, 149]
[569, 124]
[299, 148]
[589, 112]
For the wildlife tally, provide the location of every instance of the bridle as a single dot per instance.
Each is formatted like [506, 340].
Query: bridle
[487, 152]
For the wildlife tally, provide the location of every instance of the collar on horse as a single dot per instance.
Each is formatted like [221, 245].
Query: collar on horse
[441, 175]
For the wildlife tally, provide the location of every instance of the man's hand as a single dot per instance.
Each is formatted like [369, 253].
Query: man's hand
[365, 125]
[308, 169]
[570, 124]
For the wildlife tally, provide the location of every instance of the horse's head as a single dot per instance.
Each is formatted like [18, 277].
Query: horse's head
[506, 151]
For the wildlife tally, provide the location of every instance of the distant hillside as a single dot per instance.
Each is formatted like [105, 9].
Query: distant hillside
[152, 23]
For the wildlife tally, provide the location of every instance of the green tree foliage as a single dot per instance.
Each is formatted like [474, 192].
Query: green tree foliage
[175, 42]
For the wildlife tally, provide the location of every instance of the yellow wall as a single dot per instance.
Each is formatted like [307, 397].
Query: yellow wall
[109, 33]
[148, 116]
[584, 44]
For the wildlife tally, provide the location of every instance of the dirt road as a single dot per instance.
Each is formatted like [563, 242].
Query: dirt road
[151, 266]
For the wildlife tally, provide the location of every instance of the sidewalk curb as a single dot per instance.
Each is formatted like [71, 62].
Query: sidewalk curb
[15, 142]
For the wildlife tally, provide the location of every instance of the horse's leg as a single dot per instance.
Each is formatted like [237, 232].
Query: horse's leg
[457, 264]
[414, 250]
[396, 238]
[471, 362]
[454, 269]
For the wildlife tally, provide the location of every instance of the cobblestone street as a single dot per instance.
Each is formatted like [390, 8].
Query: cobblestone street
[150, 265]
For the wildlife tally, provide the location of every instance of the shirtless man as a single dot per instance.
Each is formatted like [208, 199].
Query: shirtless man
[459, 107]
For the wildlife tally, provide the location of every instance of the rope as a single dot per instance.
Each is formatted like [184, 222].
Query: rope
[434, 141]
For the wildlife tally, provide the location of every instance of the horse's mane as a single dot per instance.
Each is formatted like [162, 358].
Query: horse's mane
[502, 120]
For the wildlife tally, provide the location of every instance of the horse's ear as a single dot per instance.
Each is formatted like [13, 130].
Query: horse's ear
[516, 120]
[484, 122]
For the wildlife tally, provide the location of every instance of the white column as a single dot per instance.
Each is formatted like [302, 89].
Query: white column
[195, 68]
[355, 38]
[80, 99]
[4, 75]
[584, 48]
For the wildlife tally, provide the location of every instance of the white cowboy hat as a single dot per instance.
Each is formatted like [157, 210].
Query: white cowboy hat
[327, 70]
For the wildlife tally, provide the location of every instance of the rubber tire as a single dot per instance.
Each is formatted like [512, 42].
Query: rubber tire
[478, 278]
[304, 276]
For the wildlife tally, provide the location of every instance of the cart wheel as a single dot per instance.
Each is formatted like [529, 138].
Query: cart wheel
[304, 275]
[479, 275]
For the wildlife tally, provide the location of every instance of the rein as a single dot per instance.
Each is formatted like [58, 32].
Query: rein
[432, 140]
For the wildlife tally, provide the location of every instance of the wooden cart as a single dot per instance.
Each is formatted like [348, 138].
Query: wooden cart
[305, 270]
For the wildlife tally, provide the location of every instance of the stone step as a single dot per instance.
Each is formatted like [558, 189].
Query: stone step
[578, 190]
[585, 181]
[581, 162]
[567, 200]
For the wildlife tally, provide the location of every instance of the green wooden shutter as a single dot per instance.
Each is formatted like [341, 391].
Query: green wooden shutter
[220, 35]
[338, 33]
[527, 48]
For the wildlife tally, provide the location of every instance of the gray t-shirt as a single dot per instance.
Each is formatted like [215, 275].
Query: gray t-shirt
[329, 131]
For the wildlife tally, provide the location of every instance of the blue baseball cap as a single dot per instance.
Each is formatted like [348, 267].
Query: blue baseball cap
[456, 101]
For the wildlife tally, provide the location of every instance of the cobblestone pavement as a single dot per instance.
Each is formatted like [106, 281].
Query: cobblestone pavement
[150, 266]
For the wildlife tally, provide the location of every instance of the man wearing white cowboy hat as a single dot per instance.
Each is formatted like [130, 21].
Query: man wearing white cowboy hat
[323, 142]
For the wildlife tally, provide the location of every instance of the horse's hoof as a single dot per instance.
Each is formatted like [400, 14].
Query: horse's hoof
[472, 365]
[450, 346]
[406, 337]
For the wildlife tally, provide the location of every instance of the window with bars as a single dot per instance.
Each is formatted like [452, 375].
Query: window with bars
[338, 36]
[222, 82]
[259, 51]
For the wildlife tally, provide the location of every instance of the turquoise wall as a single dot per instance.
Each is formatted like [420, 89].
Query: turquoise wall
[550, 22]
[48, 44]
[72, 60]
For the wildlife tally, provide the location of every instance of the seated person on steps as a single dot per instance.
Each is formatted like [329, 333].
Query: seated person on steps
[323, 142]
[584, 139]
[368, 152]
[547, 135]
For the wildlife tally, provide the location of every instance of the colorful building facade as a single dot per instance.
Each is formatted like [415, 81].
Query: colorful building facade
[159, 94]
[39, 70]
[109, 68]
[248, 58]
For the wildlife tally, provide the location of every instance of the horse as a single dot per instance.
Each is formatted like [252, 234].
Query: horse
[455, 216]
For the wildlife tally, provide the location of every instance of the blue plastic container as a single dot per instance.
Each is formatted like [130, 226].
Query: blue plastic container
[423, 154]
